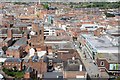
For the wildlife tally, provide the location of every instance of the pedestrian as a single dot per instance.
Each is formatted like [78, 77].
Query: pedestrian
[97, 75]
[85, 56]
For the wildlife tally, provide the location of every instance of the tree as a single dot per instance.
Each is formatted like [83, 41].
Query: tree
[45, 6]
[118, 78]
[109, 15]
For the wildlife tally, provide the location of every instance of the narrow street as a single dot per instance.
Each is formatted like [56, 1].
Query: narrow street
[90, 66]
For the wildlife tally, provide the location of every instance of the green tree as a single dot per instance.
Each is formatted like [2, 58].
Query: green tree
[46, 6]
[109, 15]
[118, 78]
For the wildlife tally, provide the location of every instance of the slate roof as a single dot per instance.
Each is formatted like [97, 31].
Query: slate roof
[21, 41]
[13, 60]
[14, 48]
[29, 69]
[35, 58]
[53, 75]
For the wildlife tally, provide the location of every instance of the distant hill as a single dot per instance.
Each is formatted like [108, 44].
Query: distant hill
[59, 0]
[102, 5]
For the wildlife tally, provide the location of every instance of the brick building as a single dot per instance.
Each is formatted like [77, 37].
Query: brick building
[109, 63]
[36, 67]
[8, 21]
[66, 54]
[13, 63]
[37, 35]
[18, 48]
[15, 51]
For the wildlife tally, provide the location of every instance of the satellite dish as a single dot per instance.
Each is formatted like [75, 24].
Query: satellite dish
[32, 51]
[32, 33]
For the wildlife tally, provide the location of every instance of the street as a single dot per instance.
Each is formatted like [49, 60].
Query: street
[90, 66]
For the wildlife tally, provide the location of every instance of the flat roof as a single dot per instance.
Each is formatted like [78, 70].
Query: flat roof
[101, 44]
[112, 57]
[66, 45]
[89, 25]
[57, 38]
[13, 60]
[22, 24]
[114, 31]
[53, 74]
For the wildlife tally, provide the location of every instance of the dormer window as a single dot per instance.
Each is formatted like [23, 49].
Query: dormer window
[40, 32]
[102, 63]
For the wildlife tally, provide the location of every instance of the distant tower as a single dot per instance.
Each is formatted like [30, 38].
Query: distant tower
[37, 40]
[35, 26]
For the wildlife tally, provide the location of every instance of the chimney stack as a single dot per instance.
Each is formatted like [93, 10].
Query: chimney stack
[9, 33]
[97, 32]
[35, 26]
[47, 49]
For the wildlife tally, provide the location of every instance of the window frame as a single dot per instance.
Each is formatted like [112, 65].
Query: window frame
[102, 63]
